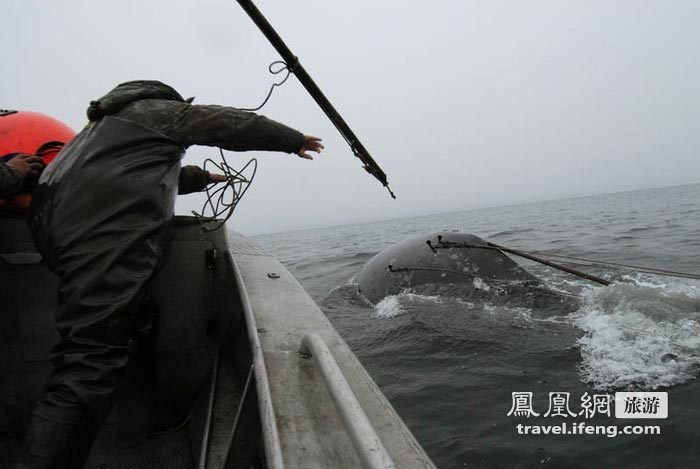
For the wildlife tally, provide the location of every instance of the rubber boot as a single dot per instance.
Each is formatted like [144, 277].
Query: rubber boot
[56, 445]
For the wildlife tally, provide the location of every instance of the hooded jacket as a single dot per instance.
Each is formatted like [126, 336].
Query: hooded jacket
[122, 170]
[160, 107]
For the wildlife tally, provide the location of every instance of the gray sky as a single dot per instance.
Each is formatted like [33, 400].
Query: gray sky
[465, 104]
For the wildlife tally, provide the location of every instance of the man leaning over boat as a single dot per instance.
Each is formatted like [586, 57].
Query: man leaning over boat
[101, 217]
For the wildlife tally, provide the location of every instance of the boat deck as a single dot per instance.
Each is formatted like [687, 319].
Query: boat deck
[230, 315]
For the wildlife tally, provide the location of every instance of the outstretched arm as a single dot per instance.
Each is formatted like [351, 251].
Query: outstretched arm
[236, 130]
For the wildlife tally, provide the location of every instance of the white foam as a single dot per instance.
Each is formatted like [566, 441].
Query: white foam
[468, 304]
[410, 296]
[388, 307]
[509, 312]
[641, 334]
[479, 284]
[391, 305]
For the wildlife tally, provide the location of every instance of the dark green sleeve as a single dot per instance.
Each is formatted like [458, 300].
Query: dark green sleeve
[10, 181]
[233, 129]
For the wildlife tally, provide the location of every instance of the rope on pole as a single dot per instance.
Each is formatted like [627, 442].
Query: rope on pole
[535, 256]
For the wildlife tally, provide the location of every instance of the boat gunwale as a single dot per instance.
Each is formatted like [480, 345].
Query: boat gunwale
[270, 433]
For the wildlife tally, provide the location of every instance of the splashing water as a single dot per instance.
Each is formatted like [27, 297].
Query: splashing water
[641, 334]
[391, 305]
[388, 307]
[638, 334]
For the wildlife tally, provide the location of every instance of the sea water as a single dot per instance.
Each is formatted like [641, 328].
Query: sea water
[451, 366]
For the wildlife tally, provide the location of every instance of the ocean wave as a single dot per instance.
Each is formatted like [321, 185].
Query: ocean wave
[623, 238]
[392, 305]
[512, 231]
[640, 334]
[408, 301]
[640, 229]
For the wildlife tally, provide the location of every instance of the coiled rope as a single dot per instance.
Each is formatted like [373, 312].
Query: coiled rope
[222, 199]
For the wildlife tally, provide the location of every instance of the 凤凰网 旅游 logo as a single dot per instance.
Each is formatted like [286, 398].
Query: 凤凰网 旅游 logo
[627, 405]
[641, 405]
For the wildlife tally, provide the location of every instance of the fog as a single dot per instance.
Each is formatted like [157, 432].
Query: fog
[464, 104]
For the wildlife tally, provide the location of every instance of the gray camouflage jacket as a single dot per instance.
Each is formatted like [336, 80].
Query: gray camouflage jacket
[10, 181]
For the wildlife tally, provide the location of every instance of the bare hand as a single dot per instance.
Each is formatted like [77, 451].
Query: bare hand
[214, 178]
[27, 165]
[310, 144]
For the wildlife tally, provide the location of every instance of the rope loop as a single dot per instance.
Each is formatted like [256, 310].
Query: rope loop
[222, 198]
[275, 68]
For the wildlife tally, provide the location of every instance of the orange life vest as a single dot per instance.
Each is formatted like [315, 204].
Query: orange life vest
[34, 134]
